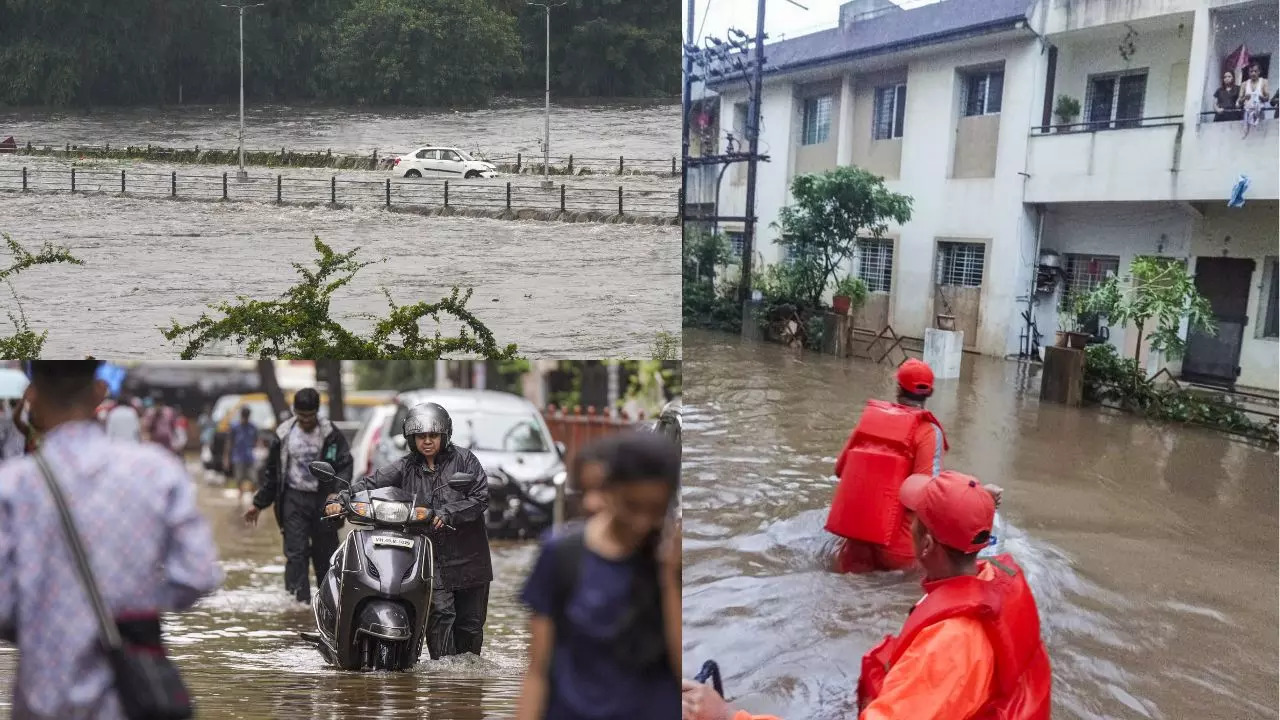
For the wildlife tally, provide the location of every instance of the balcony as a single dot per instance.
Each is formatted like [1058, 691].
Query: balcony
[1150, 159]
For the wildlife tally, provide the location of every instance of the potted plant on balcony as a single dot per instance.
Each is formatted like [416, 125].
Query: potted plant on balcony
[850, 293]
[1066, 110]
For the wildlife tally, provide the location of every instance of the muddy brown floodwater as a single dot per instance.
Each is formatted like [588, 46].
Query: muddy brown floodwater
[1152, 550]
[241, 656]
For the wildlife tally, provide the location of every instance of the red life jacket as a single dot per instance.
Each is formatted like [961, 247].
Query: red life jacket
[1007, 610]
[878, 457]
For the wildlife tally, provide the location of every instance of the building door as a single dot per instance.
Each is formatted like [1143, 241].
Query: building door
[957, 291]
[1225, 283]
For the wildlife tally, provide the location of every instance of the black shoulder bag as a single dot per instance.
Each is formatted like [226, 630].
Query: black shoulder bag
[147, 682]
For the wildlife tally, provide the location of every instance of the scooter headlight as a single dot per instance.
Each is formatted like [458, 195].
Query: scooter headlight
[542, 494]
[391, 511]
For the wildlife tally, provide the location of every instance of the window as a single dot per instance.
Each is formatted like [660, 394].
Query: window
[874, 262]
[450, 155]
[736, 242]
[1115, 98]
[1086, 272]
[426, 155]
[891, 110]
[816, 125]
[1270, 310]
[982, 92]
[960, 264]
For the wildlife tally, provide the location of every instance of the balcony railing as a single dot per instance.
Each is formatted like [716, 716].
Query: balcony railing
[1117, 124]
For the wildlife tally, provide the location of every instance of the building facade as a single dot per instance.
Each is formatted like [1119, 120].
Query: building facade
[954, 104]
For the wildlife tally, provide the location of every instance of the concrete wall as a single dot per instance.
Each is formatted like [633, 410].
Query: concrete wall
[975, 152]
[818, 157]
[1161, 53]
[882, 157]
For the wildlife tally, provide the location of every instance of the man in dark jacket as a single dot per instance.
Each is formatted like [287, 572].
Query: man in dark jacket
[287, 482]
[464, 569]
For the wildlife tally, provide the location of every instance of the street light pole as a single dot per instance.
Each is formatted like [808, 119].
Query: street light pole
[242, 175]
[546, 138]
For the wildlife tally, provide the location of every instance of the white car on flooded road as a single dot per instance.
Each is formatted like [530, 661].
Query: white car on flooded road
[442, 162]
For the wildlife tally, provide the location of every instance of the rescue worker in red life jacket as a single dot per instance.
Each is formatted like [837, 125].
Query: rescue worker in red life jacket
[970, 648]
[890, 442]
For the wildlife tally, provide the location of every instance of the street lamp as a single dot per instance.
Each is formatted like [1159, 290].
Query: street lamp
[242, 175]
[546, 140]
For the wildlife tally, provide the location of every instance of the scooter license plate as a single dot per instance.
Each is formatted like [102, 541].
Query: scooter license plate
[405, 543]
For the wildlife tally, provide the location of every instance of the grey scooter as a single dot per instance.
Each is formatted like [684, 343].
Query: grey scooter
[372, 607]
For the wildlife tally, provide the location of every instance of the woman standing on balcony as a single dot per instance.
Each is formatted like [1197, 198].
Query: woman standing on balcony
[1253, 97]
[1226, 99]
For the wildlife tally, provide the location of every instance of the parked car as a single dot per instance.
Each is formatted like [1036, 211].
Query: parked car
[511, 440]
[364, 447]
[442, 162]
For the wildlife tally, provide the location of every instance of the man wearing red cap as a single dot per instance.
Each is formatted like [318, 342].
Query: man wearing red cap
[970, 648]
[890, 442]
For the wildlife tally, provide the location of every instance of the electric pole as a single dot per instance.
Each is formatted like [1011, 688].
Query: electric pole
[242, 175]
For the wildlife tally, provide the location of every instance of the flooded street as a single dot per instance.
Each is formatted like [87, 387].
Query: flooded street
[560, 290]
[242, 658]
[1152, 550]
[589, 129]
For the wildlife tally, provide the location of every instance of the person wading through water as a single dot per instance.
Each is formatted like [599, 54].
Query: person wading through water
[452, 482]
[297, 495]
[970, 649]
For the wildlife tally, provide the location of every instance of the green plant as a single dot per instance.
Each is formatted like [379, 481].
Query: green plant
[25, 343]
[1070, 307]
[299, 325]
[831, 211]
[1158, 293]
[1116, 381]
[1066, 110]
[666, 346]
[702, 253]
[852, 288]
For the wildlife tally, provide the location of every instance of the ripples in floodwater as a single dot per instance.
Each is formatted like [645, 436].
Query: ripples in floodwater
[561, 290]
[241, 655]
[643, 130]
[1152, 550]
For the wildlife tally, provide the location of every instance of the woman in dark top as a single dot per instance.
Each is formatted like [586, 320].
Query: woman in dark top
[605, 597]
[1226, 99]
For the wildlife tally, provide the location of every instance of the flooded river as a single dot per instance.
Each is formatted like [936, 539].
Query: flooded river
[1152, 550]
[647, 130]
[242, 658]
[558, 290]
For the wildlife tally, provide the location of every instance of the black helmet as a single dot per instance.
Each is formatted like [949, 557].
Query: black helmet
[428, 418]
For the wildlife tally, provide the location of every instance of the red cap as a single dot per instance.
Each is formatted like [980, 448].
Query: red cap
[955, 508]
[914, 376]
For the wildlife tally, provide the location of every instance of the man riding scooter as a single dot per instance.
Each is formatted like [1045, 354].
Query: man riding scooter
[433, 469]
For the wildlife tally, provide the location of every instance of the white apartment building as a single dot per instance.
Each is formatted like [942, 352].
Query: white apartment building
[953, 104]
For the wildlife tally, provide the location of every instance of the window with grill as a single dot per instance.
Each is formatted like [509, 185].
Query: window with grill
[891, 111]
[960, 264]
[816, 123]
[1086, 272]
[1271, 300]
[1116, 99]
[874, 262]
[736, 242]
[982, 92]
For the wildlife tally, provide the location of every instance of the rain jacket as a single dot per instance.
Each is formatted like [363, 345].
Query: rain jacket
[274, 481]
[462, 555]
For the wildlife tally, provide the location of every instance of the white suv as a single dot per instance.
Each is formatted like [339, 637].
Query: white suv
[442, 162]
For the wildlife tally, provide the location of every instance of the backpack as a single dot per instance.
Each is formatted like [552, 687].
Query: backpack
[640, 640]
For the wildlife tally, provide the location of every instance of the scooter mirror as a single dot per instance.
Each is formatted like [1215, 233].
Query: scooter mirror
[322, 470]
[560, 448]
[461, 481]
